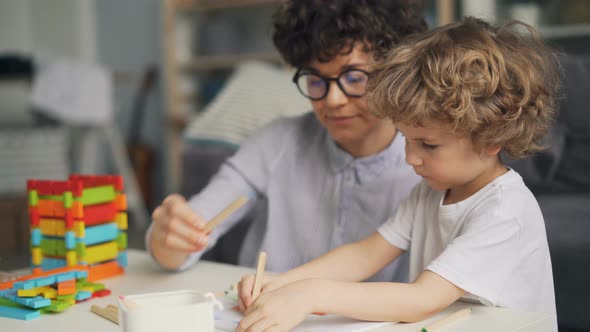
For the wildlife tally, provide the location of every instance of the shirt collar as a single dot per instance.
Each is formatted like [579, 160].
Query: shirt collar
[370, 167]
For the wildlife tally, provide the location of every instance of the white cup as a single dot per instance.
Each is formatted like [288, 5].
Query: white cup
[177, 311]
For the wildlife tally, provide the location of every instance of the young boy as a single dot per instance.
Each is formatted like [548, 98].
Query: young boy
[331, 176]
[460, 94]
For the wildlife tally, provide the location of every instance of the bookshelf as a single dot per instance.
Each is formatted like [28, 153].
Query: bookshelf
[188, 65]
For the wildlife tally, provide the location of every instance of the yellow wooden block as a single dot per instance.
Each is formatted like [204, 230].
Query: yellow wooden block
[71, 258]
[88, 289]
[52, 227]
[48, 292]
[79, 229]
[121, 220]
[29, 292]
[100, 253]
[37, 256]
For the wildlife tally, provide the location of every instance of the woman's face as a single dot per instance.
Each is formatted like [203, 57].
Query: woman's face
[346, 118]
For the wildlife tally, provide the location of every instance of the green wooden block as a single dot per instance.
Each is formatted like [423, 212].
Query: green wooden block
[122, 240]
[68, 199]
[52, 197]
[80, 249]
[53, 247]
[33, 198]
[66, 297]
[56, 306]
[98, 195]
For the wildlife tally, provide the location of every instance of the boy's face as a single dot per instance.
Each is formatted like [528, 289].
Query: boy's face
[347, 119]
[447, 161]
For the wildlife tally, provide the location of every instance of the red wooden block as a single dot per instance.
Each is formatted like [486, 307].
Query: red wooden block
[102, 293]
[34, 216]
[99, 213]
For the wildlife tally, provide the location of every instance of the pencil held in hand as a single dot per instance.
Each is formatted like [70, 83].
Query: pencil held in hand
[259, 275]
[221, 216]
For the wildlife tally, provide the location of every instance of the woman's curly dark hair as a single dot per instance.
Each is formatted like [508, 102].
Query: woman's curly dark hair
[306, 30]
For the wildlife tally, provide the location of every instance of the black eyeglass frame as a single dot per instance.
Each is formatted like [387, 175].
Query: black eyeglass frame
[300, 72]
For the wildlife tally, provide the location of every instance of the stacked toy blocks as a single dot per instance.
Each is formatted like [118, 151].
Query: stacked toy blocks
[47, 292]
[81, 221]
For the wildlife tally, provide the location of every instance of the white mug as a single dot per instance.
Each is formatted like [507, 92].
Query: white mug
[177, 311]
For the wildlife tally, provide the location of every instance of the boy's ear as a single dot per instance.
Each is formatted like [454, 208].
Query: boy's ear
[493, 149]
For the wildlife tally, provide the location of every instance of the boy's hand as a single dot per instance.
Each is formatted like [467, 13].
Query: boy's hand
[279, 310]
[246, 284]
[177, 227]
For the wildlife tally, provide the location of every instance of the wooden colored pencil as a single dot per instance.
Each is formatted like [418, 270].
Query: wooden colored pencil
[221, 216]
[259, 275]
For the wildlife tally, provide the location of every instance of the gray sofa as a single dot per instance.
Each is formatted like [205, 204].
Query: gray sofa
[559, 178]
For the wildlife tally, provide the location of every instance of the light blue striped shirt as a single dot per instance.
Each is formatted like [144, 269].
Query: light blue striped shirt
[319, 196]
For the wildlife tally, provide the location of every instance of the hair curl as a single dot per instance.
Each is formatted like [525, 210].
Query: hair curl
[306, 30]
[496, 85]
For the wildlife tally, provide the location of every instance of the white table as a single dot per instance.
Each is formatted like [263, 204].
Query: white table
[144, 276]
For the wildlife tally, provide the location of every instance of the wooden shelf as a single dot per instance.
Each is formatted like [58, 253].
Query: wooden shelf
[203, 5]
[216, 62]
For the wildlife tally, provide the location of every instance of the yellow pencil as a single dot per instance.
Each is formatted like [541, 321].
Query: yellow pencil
[259, 275]
[447, 320]
[221, 216]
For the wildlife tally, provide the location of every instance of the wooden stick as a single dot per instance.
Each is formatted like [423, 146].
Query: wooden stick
[104, 313]
[447, 320]
[259, 275]
[226, 213]
[113, 308]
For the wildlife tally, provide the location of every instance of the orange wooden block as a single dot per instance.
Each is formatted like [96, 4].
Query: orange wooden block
[121, 202]
[104, 270]
[66, 287]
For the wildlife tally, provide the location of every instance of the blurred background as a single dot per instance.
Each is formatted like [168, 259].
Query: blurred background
[113, 86]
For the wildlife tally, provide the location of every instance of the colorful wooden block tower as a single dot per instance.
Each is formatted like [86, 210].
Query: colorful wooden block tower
[80, 221]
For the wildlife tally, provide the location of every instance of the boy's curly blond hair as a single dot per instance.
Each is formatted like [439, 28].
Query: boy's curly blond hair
[495, 85]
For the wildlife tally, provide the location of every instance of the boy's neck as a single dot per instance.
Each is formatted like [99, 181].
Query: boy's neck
[460, 193]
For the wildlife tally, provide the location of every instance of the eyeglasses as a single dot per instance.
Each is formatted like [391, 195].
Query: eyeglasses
[353, 82]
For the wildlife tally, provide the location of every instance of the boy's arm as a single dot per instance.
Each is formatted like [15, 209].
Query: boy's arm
[287, 306]
[352, 262]
[398, 302]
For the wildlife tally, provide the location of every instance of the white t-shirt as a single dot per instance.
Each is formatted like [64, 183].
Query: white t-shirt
[492, 244]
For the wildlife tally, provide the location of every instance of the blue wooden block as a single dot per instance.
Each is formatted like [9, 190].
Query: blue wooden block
[81, 274]
[70, 240]
[66, 276]
[33, 302]
[16, 312]
[44, 281]
[36, 237]
[101, 233]
[52, 263]
[25, 284]
[83, 295]
[122, 259]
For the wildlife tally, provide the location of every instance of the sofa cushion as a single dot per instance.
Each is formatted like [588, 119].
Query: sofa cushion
[572, 174]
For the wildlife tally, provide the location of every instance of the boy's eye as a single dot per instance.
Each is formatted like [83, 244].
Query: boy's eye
[429, 146]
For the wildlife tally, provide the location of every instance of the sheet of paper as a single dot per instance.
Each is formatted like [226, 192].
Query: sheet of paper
[228, 319]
